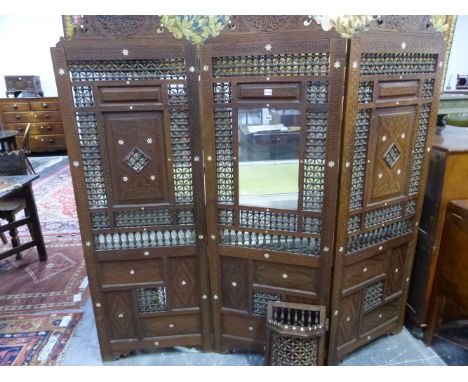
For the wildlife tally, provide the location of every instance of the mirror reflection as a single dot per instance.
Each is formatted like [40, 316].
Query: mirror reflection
[269, 157]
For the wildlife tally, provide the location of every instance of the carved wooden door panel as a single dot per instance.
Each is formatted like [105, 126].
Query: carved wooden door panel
[133, 138]
[271, 101]
[393, 82]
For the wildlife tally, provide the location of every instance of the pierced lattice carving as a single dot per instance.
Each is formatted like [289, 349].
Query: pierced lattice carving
[359, 160]
[314, 163]
[100, 220]
[296, 64]
[139, 239]
[185, 217]
[142, 218]
[312, 225]
[378, 235]
[136, 159]
[411, 207]
[177, 94]
[181, 156]
[260, 302]
[383, 215]
[293, 351]
[224, 155]
[419, 148]
[92, 162]
[373, 295]
[366, 89]
[268, 220]
[115, 70]
[151, 300]
[222, 92]
[294, 244]
[428, 88]
[83, 96]
[398, 63]
[317, 91]
[392, 155]
[354, 223]
[226, 217]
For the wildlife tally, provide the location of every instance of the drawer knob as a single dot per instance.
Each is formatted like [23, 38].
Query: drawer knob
[365, 269]
[44, 105]
[132, 272]
[120, 315]
[14, 106]
[251, 328]
[234, 284]
[51, 140]
[285, 275]
[46, 116]
[183, 282]
[17, 116]
[171, 325]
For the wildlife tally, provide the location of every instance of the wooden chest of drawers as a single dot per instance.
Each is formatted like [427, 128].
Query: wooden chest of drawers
[46, 133]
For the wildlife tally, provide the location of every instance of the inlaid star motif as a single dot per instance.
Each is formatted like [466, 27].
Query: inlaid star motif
[355, 64]
[331, 164]
[76, 163]
[403, 45]
[268, 46]
[149, 140]
[337, 65]
[61, 71]
[125, 52]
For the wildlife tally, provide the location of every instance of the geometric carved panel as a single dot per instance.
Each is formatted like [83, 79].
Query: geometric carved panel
[234, 275]
[183, 290]
[136, 159]
[395, 128]
[120, 308]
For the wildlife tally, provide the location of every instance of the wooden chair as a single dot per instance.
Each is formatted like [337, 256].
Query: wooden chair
[17, 163]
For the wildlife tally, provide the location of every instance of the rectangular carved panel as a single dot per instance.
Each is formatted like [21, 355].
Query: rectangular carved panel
[119, 306]
[263, 91]
[136, 149]
[131, 272]
[183, 282]
[234, 279]
[286, 276]
[393, 90]
[395, 128]
[133, 94]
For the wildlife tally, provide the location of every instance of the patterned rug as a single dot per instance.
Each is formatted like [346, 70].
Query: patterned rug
[55, 202]
[35, 339]
[28, 285]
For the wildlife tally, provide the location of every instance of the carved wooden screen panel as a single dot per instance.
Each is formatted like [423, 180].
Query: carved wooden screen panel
[262, 68]
[133, 138]
[391, 106]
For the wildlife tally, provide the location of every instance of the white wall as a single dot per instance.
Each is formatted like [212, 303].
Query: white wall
[25, 43]
[458, 60]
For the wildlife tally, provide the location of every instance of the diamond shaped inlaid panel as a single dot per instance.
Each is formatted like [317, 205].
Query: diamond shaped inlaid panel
[392, 155]
[136, 159]
[183, 291]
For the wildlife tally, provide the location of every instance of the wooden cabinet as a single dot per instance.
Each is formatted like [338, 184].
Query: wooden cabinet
[448, 169]
[451, 281]
[46, 131]
[282, 195]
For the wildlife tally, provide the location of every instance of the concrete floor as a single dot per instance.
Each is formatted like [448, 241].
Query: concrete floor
[83, 350]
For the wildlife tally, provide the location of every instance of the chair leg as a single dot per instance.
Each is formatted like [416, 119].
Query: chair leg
[35, 226]
[3, 237]
[15, 241]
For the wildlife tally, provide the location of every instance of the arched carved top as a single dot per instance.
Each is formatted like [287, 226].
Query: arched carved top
[402, 23]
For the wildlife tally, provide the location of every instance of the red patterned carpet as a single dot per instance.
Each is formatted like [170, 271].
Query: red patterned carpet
[28, 285]
[56, 203]
[40, 302]
[35, 339]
